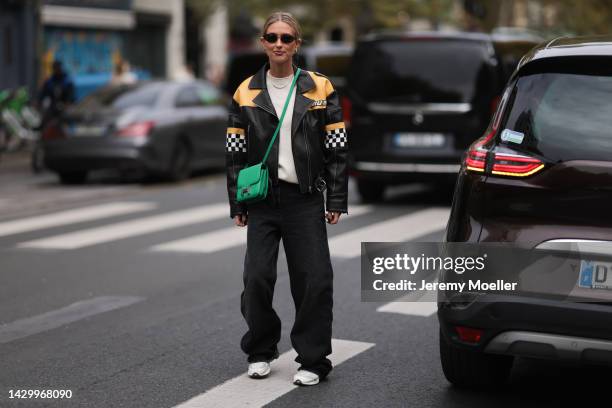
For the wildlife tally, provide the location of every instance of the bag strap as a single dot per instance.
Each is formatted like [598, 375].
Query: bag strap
[280, 121]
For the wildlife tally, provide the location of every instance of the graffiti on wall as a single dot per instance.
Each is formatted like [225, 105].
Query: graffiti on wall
[82, 51]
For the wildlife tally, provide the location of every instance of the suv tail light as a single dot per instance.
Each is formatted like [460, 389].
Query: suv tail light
[515, 165]
[476, 160]
[495, 104]
[480, 159]
[138, 129]
[347, 107]
[468, 334]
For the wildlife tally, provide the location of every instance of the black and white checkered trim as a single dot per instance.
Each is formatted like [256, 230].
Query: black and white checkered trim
[336, 138]
[236, 143]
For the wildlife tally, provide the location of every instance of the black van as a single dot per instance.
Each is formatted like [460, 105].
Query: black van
[417, 100]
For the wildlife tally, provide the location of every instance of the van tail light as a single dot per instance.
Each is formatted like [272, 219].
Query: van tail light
[138, 129]
[481, 160]
[469, 335]
[347, 107]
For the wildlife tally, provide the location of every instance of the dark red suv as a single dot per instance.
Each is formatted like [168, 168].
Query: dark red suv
[540, 177]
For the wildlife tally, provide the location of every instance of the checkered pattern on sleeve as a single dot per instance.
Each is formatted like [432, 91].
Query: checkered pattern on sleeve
[336, 138]
[236, 142]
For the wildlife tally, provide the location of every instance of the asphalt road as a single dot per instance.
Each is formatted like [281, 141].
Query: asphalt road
[115, 295]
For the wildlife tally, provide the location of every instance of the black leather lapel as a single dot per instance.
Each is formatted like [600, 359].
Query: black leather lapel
[302, 103]
[264, 102]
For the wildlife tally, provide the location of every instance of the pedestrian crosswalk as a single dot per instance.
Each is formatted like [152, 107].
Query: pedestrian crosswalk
[243, 391]
[226, 238]
[72, 216]
[122, 230]
[138, 219]
[403, 228]
[140, 222]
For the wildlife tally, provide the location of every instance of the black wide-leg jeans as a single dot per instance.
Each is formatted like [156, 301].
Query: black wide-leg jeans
[299, 220]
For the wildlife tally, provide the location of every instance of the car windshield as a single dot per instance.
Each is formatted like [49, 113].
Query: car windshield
[413, 71]
[563, 116]
[122, 97]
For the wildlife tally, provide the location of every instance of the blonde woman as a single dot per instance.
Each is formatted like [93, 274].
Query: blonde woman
[307, 163]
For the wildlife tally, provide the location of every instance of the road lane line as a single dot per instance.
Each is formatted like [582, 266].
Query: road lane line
[243, 391]
[72, 216]
[398, 229]
[227, 238]
[121, 230]
[425, 306]
[51, 320]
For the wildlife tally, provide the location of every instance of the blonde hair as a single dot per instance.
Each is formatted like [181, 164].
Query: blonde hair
[285, 18]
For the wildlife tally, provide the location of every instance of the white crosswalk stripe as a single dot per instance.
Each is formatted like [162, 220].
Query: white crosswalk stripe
[243, 391]
[122, 230]
[228, 237]
[73, 216]
[424, 306]
[404, 228]
[68, 314]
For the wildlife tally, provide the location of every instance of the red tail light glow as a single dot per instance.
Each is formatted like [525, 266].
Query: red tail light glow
[515, 165]
[494, 104]
[138, 129]
[476, 160]
[52, 131]
[469, 335]
[347, 108]
[504, 164]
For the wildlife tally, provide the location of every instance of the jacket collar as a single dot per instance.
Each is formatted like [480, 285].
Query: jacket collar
[302, 103]
[304, 82]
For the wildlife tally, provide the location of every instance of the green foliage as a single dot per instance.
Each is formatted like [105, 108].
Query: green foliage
[584, 17]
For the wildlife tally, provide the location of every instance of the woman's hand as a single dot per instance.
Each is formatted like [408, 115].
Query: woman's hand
[332, 217]
[240, 220]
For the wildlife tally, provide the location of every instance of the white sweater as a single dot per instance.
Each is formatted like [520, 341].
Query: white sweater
[278, 88]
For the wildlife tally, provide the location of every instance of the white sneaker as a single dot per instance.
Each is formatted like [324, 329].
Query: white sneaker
[305, 377]
[260, 369]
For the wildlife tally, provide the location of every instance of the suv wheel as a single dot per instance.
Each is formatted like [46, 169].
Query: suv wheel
[370, 191]
[465, 368]
[73, 177]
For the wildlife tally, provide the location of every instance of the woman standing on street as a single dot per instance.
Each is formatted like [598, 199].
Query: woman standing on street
[308, 158]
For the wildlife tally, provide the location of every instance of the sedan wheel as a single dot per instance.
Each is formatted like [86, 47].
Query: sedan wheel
[180, 164]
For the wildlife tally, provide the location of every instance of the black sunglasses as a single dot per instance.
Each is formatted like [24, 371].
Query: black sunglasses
[273, 37]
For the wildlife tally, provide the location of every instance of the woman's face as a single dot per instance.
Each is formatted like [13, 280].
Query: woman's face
[279, 52]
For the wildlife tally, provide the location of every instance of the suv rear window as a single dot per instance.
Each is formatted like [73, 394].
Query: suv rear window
[563, 116]
[416, 71]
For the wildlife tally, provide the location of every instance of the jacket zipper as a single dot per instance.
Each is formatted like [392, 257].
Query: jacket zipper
[307, 156]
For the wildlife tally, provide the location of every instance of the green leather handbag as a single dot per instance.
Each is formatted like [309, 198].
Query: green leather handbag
[252, 183]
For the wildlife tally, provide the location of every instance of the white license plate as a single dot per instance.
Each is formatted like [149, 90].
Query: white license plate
[87, 130]
[595, 275]
[419, 140]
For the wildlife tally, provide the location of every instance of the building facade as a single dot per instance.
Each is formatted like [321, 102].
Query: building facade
[90, 37]
[19, 35]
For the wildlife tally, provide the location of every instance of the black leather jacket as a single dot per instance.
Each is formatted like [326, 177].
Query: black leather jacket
[318, 137]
